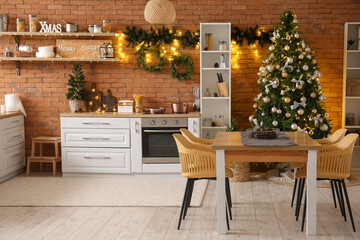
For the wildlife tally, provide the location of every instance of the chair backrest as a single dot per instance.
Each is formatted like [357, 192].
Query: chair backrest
[194, 163]
[335, 137]
[334, 160]
[188, 135]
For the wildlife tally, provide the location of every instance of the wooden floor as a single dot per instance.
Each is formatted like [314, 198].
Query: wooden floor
[261, 211]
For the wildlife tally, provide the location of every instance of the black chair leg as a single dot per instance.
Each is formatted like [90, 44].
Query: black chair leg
[227, 182]
[227, 219]
[228, 196]
[184, 202]
[298, 195]
[333, 192]
[338, 197]
[304, 214]
[300, 199]
[348, 204]
[342, 199]
[189, 195]
[294, 190]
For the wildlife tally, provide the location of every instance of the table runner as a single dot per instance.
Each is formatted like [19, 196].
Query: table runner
[281, 140]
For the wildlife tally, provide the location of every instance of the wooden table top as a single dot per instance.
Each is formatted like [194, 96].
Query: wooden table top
[232, 141]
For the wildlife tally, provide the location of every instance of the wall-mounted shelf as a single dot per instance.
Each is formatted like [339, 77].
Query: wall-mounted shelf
[62, 34]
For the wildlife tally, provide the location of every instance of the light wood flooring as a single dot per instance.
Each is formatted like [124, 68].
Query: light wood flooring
[261, 211]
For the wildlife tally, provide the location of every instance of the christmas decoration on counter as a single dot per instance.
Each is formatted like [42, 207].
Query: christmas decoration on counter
[94, 99]
[45, 27]
[77, 90]
[181, 60]
[291, 96]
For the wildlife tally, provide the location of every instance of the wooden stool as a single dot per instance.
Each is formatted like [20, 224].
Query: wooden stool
[44, 159]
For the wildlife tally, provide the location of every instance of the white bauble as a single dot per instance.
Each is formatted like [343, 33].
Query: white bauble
[287, 37]
[313, 95]
[298, 70]
[294, 126]
[261, 69]
[271, 48]
[303, 45]
[296, 35]
[308, 56]
[279, 111]
[295, 20]
[306, 67]
[311, 132]
[263, 114]
[321, 98]
[267, 61]
[324, 127]
[275, 123]
[326, 115]
[307, 49]
[282, 92]
[300, 111]
[273, 109]
[286, 48]
[284, 74]
[319, 87]
[301, 56]
[270, 68]
[266, 99]
[255, 105]
[314, 111]
[303, 99]
[251, 118]
[277, 66]
[287, 115]
[290, 60]
[264, 80]
[313, 61]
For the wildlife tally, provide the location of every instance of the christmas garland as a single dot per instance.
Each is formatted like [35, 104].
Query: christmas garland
[142, 63]
[252, 35]
[182, 60]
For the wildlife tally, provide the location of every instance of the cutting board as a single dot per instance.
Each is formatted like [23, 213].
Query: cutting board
[109, 102]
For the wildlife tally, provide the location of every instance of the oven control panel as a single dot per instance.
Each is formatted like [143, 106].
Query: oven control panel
[164, 122]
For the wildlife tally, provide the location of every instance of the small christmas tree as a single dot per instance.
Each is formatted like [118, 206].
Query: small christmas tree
[77, 89]
[291, 96]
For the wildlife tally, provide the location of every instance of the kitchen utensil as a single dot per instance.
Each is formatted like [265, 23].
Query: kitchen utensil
[155, 110]
[3, 22]
[71, 27]
[222, 61]
[109, 102]
[46, 49]
[179, 107]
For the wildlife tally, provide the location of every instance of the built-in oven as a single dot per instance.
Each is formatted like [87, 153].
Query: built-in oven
[158, 144]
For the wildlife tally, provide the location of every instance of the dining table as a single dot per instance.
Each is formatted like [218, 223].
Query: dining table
[230, 148]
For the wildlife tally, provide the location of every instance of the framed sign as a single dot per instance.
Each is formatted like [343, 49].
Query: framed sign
[79, 48]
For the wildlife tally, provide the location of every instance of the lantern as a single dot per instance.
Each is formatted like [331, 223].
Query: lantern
[102, 50]
[110, 53]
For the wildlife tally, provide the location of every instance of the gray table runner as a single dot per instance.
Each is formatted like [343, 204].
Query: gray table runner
[281, 140]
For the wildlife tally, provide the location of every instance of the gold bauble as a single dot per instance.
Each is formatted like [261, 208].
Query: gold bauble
[299, 87]
[287, 100]
[284, 74]
[287, 115]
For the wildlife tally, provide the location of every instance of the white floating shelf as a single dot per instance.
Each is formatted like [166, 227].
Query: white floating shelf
[217, 127]
[216, 98]
[214, 51]
[353, 51]
[353, 68]
[34, 59]
[217, 69]
[353, 127]
[352, 97]
[65, 34]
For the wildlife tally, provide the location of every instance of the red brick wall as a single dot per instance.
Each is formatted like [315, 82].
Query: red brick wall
[42, 86]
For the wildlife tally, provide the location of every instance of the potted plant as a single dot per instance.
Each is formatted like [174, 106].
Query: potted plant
[77, 90]
[241, 170]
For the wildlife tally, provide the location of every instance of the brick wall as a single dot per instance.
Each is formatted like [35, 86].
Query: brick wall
[42, 86]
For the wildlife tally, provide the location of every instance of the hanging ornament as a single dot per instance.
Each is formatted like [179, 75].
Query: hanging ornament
[290, 60]
[287, 115]
[287, 100]
[287, 37]
[297, 118]
[311, 132]
[259, 81]
[251, 118]
[277, 66]
[284, 74]
[313, 95]
[282, 92]
[264, 80]
[263, 114]
[275, 123]
[270, 68]
[279, 111]
[314, 111]
[307, 49]
[295, 20]
[271, 55]
[303, 99]
[296, 35]
[308, 56]
[266, 99]
[326, 115]
[255, 105]
[310, 119]
[286, 48]
[300, 111]
[303, 45]
[321, 98]
[319, 87]
[313, 61]
[273, 109]
[306, 67]
[299, 86]
[298, 70]
[301, 56]
[266, 61]
[294, 126]
[271, 48]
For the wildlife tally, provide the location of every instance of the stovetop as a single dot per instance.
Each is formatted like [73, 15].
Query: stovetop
[164, 122]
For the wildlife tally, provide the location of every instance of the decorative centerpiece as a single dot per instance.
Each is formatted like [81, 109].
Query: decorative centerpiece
[263, 133]
[77, 90]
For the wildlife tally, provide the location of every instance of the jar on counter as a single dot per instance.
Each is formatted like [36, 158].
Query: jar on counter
[3, 23]
[97, 28]
[222, 45]
[106, 27]
[32, 23]
[20, 25]
[208, 41]
[91, 28]
[219, 120]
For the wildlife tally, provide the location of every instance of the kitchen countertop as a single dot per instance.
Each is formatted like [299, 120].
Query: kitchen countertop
[9, 114]
[128, 115]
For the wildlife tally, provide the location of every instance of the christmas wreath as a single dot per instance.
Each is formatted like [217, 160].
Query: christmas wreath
[181, 60]
[142, 60]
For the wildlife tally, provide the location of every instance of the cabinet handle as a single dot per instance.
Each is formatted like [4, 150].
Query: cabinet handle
[16, 136]
[96, 157]
[94, 138]
[136, 127]
[96, 123]
[194, 123]
[15, 121]
[15, 155]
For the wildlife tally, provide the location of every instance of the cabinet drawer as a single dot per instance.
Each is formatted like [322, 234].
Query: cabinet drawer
[14, 158]
[12, 137]
[12, 122]
[95, 160]
[78, 122]
[95, 138]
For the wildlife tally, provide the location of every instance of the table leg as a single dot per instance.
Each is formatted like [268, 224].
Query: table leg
[311, 193]
[220, 191]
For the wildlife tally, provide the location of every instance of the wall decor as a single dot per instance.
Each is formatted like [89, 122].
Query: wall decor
[50, 27]
[79, 48]
[145, 58]
[94, 99]
[251, 35]
[182, 60]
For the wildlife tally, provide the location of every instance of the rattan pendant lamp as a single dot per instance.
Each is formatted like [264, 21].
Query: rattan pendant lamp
[160, 12]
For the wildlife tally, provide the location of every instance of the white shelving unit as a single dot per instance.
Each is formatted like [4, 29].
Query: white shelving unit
[351, 99]
[211, 106]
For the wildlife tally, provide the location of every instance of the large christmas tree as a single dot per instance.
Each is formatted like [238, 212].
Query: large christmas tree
[291, 94]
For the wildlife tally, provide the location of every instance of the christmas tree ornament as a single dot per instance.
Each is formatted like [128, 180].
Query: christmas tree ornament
[267, 61]
[314, 111]
[301, 56]
[326, 115]
[286, 48]
[251, 118]
[284, 74]
[271, 48]
[287, 37]
[296, 35]
[303, 99]
[294, 126]
[259, 81]
[303, 45]
[290, 60]
[299, 86]
[273, 109]
[266, 99]
[311, 132]
[319, 87]
[270, 68]
[307, 49]
[306, 67]
[298, 70]
[316, 122]
[263, 114]
[282, 92]
[275, 123]
[308, 56]
[300, 111]
[287, 115]
[295, 21]
[321, 98]
[313, 61]
[255, 105]
[313, 95]
[264, 80]
[277, 66]
[279, 111]
[287, 100]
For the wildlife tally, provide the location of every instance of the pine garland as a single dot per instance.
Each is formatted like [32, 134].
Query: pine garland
[182, 60]
[252, 35]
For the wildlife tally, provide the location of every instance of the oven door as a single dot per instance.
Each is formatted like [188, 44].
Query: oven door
[159, 146]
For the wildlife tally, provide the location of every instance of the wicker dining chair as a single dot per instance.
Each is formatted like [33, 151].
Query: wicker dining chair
[335, 137]
[333, 163]
[197, 164]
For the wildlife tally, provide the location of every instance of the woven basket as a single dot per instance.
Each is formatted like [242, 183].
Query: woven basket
[160, 12]
[241, 172]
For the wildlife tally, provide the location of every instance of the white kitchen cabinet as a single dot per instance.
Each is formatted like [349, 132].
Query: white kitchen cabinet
[136, 145]
[12, 146]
